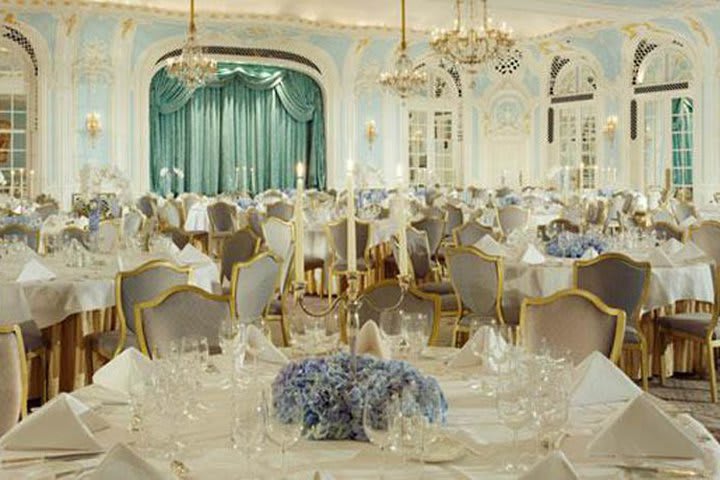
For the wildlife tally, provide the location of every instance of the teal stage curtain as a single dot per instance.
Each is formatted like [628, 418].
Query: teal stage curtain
[247, 129]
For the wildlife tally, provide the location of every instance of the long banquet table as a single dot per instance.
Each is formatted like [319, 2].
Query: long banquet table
[470, 417]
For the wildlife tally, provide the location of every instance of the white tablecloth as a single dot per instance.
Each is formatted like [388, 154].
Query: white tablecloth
[208, 453]
[74, 290]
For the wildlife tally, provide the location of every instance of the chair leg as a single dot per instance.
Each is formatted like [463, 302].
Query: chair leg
[330, 287]
[89, 365]
[713, 373]
[46, 375]
[661, 347]
[644, 365]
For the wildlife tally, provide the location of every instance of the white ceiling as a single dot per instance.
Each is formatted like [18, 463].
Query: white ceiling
[527, 17]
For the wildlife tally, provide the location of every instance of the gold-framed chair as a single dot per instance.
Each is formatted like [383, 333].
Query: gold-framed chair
[477, 280]
[336, 233]
[29, 236]
[13, 377]
[223, 223]
[623, 283]
[131, 287]
[511, 218]
[181, 311]
[666, 231]
[241, 246]
[282, 210]
[470, 233]
[572, 320]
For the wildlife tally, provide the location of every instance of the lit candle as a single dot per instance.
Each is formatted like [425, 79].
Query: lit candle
[581, 183]
[402, 221]
[12, 182]
[22, 182]
[252, 179]
[299, 224]
[351, 240]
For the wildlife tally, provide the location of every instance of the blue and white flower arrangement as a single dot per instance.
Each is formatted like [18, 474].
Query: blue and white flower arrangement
[332, 400]
[510, 199]
[574, 245]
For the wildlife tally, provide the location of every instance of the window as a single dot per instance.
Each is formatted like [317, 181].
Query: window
[13, 130]
[682, 142]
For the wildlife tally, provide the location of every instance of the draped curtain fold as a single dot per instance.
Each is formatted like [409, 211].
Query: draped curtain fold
[247, 129]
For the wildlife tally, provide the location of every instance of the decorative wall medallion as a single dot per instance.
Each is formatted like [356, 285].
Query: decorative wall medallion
[366, 81]
[508, 116]
[93, 63]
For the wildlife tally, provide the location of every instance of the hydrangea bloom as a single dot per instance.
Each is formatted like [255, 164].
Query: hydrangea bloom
[332, 401]
[573, 245]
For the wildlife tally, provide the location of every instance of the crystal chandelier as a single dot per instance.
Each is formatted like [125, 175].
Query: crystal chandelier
[405, 80]
[470, 44]
[192, 67]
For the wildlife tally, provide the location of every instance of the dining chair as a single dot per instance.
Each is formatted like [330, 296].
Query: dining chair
[170, 215]
[434, 227]
[666, 231]
[132, 224]
[179, 237]
[559, 225]
[623, 283]
[477, 280]
[37, 348]
[255, 284]
[132, 287]
[338, 250]
[183, 311]
[23, 233]
[187, 201]
[223, 223]
[383, 295]
[699, 327]
[47, 209]
[572, 322]
[280, 239]
[453, 219]
[13, 377]
[68, 234]
[470, 233]
[255, 220]
[683, 211]
[512, 218]
[241, 246]
[282, 210]
[147, 204]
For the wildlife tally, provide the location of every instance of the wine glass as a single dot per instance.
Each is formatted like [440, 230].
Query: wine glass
[378, 417]
[416, 331]
[283, 423]
[514, 410]
[248, 427]
[391, 326]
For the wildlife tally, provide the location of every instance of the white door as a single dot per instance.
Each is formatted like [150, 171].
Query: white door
[431, 150]
[577, 141]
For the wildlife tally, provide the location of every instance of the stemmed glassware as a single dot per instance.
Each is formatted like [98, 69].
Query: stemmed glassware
[248, 427]
[513, 407]
[283, 424]
[416, 332]
[378, 417]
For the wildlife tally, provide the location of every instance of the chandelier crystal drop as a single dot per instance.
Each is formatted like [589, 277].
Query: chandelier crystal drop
[192, 66]
[405, 80]
[469, 43]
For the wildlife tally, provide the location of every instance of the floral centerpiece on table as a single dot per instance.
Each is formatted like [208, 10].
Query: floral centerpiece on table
[574, 245]
[102, 192]
[332, 401]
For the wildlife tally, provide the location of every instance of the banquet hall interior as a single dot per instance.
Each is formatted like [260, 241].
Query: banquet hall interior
[388, 239]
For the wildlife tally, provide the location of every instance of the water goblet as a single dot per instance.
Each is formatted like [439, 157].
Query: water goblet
[283, 423]
[378, 417]
[248, 427]
[514, 410]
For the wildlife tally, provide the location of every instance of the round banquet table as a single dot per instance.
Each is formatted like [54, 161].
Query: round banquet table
[472, 422]
[79, 301]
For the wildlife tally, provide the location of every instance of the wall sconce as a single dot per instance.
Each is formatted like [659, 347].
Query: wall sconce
[371, 132]
[93, 125]
[611, 126]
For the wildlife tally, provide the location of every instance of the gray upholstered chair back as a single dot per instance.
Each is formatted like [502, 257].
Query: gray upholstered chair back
[144, 283]
[683, 211]
[240, 247]
[222, 216]
[513, 218]
[24, 234]
[477, 279]
[386, 294]
[434, 227]
[619, 281]
[470, 233]
[666, 231]
[132, 223]
[707, 237]
[178, 236]
[433, 212]
[279, 239]
[13, 377]
[562, 225]
[182, 312]
[47, 209]
[338, 238]
[282, 210]
[188, 200]
[453, 218]
[170, 214]
[254, 284]
[69, 234]
[574, 323]
[108, 235]
[147, 206]
[255, 220]
[419, 252]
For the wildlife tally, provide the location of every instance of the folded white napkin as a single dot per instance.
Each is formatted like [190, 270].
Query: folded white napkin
[597, 380]
[489, 342]
[641, 429]
[489, 246]
[191, 255]
[690, 252]
[589, 254]
[34, 270]
[260, 345]
[658, 258]
[672, 246]
[555, 466]
[370, 341]
[55, 426]
[685, 224]
[123, 371]
[532, 256]
[121, 463]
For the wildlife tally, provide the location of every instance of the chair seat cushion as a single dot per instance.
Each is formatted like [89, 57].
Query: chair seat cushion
[693, 323]
[105, 343]
[32, 336]
[437, 287]
[313, 263]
